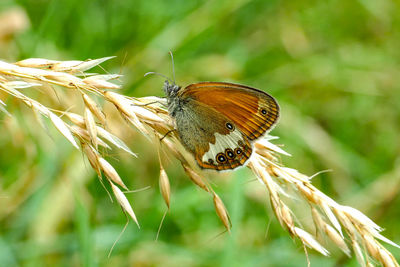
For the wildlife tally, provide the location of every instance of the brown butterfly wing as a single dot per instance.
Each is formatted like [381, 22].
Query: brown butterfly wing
[253, 111]
[214, 145]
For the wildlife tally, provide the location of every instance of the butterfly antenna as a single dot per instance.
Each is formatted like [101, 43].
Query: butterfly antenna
[173, 65]
[159, 74]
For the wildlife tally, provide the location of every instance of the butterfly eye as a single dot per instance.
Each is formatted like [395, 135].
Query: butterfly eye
[221, 158]
[263, 111]
[238, 151]
[229, 153]
[229, 126]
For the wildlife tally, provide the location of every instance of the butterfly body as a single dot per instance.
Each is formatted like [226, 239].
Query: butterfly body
[217, 121]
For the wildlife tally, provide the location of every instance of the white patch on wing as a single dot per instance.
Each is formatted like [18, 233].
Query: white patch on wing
[222, 142]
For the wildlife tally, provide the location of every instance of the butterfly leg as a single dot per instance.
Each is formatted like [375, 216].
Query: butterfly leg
[165, 135]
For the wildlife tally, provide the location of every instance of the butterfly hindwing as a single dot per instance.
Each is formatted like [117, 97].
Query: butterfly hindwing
[228, 152]
[253, 111]
[214, 140]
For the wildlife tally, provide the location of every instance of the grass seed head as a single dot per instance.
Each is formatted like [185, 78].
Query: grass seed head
[195, 177]
[94, 108]
[123, 201]
[165, 187]
[111, 173]
[222, 212]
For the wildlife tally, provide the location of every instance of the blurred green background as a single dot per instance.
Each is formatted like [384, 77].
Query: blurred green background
[332, 65]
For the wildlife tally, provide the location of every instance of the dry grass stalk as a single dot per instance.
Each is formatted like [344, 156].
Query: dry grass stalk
[36, 72]
[344, 226]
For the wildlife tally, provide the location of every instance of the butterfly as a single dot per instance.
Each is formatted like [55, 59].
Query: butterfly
[217, 122]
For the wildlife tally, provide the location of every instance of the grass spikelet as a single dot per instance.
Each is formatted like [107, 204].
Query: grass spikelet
[92, 156]
[222, 212]
[309, 240]
[76, 119]
[195, 177]
[336, 238]
[94, 108]
[83, 134]
[165, 187]
[123, 201]
[358, 252]
[63, 128]
[111, 173]
[91, 127]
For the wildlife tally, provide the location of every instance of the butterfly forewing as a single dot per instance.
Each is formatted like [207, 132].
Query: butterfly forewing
[253, 111]
[217, 121]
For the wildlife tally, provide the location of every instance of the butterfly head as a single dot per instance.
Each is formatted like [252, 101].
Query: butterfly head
[171, 92]
[171, 89]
